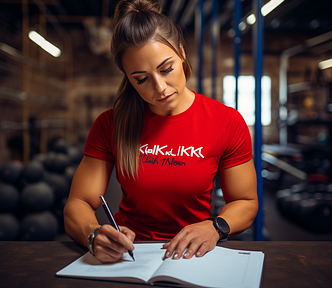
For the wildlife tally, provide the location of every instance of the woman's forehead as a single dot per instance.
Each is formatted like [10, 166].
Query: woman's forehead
[152, 53]
[153, 46]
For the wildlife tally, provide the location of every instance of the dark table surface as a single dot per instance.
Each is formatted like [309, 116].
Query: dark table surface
[286, 264]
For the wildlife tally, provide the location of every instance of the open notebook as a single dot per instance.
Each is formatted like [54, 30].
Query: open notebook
[221, 267]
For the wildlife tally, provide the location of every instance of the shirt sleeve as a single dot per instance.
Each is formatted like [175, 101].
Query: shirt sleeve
[238, 146]
[99, 143]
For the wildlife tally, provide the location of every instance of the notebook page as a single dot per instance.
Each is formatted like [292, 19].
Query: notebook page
[220, 267]
[148, 258]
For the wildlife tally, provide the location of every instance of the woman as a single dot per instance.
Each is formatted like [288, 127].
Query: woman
[167, 143]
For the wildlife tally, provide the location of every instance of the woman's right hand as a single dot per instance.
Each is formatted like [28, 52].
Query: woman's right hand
[110, 244]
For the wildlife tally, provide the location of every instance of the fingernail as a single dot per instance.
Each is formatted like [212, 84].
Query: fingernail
[168, 254]
[198, 254]
[175, 256]
[186, 255]
[132, 247]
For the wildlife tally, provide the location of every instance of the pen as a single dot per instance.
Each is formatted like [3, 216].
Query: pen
[112, 221]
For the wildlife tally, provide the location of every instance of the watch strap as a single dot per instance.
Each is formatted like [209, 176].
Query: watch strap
[223, 229]
[91, 239]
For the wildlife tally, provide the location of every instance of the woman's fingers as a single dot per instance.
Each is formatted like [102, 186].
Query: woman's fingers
[110, 244]
[195, 239]
[129, 233]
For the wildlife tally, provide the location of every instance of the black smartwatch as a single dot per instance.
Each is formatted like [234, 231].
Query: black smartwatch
[221, 226]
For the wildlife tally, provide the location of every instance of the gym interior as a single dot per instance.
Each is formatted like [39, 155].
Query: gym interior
[50, 99]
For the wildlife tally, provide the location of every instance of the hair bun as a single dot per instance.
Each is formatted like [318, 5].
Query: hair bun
[124, 7]
[145, 5]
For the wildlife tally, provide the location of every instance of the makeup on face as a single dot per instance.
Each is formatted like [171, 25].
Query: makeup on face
[156, 72]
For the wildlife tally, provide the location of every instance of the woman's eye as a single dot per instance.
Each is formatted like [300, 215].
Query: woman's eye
[141, 81]
[168, 70]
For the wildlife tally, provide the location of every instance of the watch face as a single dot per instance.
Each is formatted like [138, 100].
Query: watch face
[222, 226]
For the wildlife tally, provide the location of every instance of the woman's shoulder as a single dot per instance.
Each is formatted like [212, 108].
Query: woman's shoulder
[106, 115]
[105, 119]
[214, 111]
[215, 106]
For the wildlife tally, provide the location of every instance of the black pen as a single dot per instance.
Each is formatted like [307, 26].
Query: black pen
[112, 221]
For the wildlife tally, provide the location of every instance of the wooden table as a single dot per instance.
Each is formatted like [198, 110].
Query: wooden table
[287, 264]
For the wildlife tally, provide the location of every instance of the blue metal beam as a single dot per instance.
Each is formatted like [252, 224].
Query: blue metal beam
[214, 44]
[200, 47]
[237, 52]
[258, 140]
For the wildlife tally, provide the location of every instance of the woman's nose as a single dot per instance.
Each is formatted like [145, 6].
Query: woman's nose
[160, 84]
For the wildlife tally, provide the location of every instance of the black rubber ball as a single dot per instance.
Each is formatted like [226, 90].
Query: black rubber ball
[60, 145]
[11, 171]
[9, 227]
[41, 226]
[9, 197]
[40, 158]
[37, 196]
[57, 210]
[59, 184]
[33, 171]
[75, 154]
[57, 162]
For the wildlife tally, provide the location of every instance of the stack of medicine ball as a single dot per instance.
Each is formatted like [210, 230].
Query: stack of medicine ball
[33, 195]
[308, 205]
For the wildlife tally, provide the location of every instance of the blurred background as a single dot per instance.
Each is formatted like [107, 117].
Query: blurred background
[50, 96]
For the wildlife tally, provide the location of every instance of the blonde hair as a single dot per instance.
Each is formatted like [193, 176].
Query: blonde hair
[136, 23]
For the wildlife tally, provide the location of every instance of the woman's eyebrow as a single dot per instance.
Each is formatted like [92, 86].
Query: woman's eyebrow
[161, 64]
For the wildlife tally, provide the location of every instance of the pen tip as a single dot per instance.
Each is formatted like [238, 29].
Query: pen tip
[131, 254]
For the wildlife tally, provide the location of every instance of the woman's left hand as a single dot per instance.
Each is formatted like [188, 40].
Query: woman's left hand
[197, 238]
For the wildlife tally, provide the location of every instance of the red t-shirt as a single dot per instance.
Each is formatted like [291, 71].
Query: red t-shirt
[180, 155]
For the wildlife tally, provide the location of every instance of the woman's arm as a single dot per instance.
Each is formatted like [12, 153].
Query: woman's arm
[239, 187]
[90, 181]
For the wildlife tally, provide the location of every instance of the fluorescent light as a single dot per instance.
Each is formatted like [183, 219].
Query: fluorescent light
[242, 26]
[269, 6]
[251, 19]
[325, 64]
[44, 44]
[266, 9]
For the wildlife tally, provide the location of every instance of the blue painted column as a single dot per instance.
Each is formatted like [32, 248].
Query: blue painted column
[200, 47]
[214, 44]
[237, 52]
[258, 140]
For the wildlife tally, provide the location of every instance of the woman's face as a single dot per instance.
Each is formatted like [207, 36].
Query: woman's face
[156, 72]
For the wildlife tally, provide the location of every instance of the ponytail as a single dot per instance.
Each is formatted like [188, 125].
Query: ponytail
[129, 110]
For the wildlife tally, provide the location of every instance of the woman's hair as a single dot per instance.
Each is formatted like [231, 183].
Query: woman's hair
[136, 22]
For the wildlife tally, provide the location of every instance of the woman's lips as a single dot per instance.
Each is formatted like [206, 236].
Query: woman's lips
[165, 98]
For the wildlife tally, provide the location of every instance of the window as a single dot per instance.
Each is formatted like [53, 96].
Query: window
[246, 98]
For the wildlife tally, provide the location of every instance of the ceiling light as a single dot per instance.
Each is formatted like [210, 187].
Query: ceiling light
[325, 64]
[269, 6]
[251, 19]
[44, 44]
[266, 9]
[242, 26]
